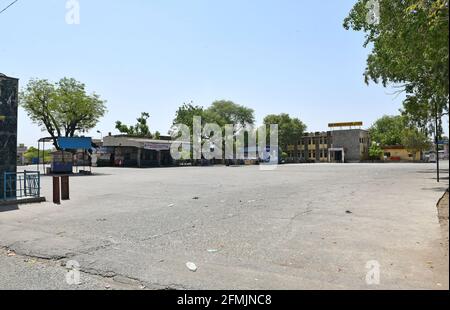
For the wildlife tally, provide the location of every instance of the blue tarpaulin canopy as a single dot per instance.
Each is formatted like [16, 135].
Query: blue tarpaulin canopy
[75, 143]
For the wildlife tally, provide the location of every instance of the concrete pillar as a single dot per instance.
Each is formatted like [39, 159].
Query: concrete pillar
[139, 155]
[9, 88]
[158, 157]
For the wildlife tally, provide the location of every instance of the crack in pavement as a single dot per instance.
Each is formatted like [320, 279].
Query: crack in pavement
[123, 281]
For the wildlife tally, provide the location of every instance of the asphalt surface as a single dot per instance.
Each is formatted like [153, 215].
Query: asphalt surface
[297, 227]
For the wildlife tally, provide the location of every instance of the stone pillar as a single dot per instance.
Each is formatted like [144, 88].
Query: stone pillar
[9, 88]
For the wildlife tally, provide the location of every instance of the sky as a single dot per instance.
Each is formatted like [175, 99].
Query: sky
[153, 55]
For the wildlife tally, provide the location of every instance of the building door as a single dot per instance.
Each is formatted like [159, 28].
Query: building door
[338, 156]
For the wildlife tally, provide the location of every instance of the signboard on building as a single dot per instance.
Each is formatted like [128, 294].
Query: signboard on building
[347, 124]
[157, 146]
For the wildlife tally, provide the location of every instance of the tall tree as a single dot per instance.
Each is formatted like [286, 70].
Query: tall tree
[63, 108]
[290, 130]
[409, 50]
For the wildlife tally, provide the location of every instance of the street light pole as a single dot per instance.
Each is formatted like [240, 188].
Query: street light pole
[436, 130]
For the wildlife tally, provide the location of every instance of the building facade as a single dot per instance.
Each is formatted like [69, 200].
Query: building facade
[312, 147]
[346, 145]
[128, 151]
[9, 88]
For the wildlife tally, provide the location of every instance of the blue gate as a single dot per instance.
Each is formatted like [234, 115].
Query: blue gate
[25, 184]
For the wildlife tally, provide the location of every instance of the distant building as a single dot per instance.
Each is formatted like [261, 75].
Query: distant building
[21, 150]
[399, 153]
[342, 145]
[129, 151]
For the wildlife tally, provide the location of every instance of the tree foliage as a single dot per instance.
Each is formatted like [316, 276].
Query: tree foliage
[140, 129]
[375, 151]
[388, 130]
[290, 130]
[395, 130]
[409, 50]
[186, 113]
[63, 108]
[222, 112]
[32, 152]
[415, 141]
[225, 112]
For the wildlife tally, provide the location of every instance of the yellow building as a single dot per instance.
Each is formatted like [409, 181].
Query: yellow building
[399, 153]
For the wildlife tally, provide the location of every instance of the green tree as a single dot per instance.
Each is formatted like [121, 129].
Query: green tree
[375, 151]
[388, 130]
[409, 50]
[415, 141]
[63, 108]
[141, 129]
[186, 113]
[32, 152]
[225, 112]
[220, 112]
[290, 130]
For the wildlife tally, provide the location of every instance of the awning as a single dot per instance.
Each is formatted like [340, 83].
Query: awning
[75, 143]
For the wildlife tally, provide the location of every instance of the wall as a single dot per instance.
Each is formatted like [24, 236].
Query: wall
[8, 126]
[400, 154]
[350, 140]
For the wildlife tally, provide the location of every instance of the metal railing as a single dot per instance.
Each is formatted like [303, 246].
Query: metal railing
[18, 185]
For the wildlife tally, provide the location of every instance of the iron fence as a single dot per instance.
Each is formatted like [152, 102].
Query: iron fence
[19, 185]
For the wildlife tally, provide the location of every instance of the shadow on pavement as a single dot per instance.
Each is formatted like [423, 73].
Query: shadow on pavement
[12, 207]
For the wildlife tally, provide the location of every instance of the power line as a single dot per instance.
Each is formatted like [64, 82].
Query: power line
[11, 4]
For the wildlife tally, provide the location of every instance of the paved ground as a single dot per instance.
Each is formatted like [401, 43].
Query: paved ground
[298, 227]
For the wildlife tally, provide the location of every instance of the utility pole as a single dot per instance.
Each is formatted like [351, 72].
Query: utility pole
[436, 130]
